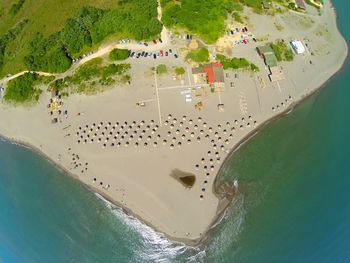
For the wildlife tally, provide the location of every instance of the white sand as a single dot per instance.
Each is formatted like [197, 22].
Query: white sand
[138, 178]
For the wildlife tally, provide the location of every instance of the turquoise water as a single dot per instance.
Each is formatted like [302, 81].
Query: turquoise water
[293, 206]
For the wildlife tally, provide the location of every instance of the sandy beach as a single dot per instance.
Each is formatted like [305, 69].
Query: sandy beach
[128, 153]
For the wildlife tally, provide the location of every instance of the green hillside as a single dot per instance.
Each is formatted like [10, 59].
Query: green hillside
[55, 31]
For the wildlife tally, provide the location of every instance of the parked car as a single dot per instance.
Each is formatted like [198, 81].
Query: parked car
[170, 51]
[154, 56]
[160, 40]
[154, 41]
[145, 44]
[176, 56]
[161, 53]
[166, 53]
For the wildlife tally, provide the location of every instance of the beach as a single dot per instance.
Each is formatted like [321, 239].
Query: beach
[135, 174]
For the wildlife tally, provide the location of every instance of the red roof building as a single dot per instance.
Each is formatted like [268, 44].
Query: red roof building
[214, 72]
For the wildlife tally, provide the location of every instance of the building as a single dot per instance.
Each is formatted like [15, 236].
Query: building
[275, 73]
[298, 47]
[213, 72]
[300, 4]
[266, 52]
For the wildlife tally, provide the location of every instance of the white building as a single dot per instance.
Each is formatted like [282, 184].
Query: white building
[297, 46]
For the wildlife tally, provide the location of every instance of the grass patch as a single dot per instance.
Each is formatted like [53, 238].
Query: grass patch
[118, 54]
[199, 55]
[23, 89]
[161, 69]
[236, 63]
[8, 38]
[282, 51]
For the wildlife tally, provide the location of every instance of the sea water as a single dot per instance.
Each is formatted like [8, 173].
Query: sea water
[293, 203]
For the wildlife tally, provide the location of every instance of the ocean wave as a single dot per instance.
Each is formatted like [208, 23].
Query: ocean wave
[153, 246]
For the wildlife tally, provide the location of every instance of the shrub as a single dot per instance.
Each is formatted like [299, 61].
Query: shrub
[22, 89]
[282, 51]
[118, 54]
[236, 63]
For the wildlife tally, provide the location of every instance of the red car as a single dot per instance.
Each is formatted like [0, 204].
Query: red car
[161, 53]
[244, 41]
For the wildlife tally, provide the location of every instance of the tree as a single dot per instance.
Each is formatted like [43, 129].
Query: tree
[179, 71]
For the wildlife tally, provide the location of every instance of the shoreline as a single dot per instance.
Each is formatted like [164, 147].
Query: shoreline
[216, 185]
[313, 87]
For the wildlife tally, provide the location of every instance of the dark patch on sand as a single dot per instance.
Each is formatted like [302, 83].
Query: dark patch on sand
[185, 178]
